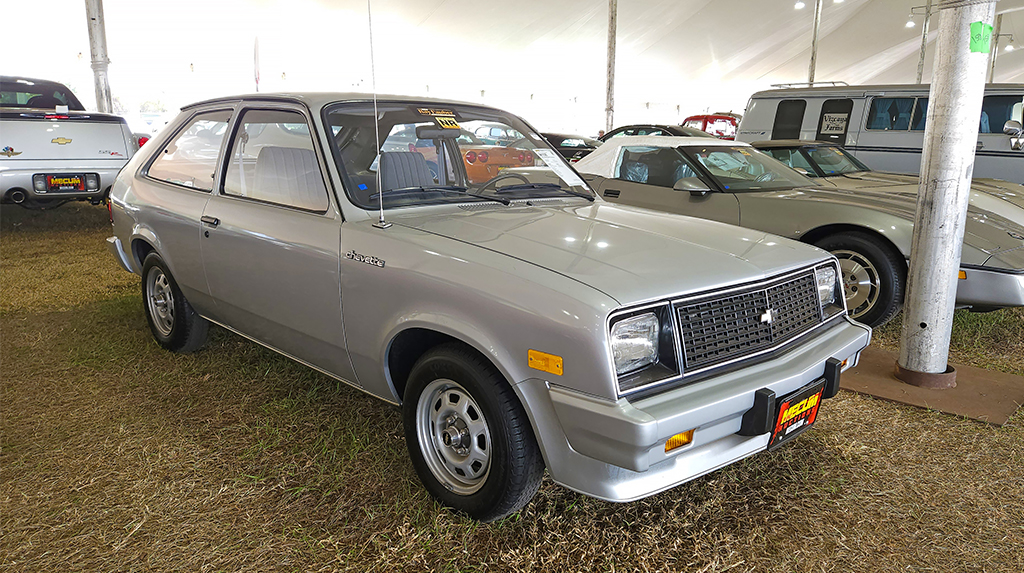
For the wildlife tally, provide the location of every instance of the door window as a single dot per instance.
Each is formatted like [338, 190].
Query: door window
[788, 118]
[190, 159]
[661, 166]
[272, 159]
[834, 121]
[890, 113]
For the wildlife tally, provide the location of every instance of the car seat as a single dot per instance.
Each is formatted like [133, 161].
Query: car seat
[290, 176]
[402, 169]
[634, 171]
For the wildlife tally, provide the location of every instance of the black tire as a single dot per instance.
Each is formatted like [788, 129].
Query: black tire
[175, 326]
[883, 275]
[514, 466]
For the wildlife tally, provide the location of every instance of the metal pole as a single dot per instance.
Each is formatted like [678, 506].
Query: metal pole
[947, 163]
[98, 53]
[995, 48]
[609, 108]
[814, 41]
[924, 40]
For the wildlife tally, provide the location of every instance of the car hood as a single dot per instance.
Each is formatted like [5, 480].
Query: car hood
[994, 222]
[631, 254]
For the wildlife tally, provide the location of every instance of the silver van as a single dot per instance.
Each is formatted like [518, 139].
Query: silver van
[883, 125]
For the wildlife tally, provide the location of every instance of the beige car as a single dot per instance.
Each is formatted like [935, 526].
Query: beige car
[864, 219]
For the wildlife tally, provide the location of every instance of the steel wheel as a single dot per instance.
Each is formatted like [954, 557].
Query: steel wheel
[453, 436]
[861, 282]
[160, 300]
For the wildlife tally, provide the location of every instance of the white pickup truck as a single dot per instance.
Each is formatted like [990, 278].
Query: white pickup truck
[52, 150]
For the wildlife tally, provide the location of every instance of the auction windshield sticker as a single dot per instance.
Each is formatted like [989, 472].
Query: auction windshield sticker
[445, 118]
[432, 111]
[553, 160]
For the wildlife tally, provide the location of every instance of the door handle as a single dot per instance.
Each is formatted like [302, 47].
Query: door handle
[211, 221]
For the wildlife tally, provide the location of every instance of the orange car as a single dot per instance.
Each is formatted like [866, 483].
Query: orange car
[483, 162]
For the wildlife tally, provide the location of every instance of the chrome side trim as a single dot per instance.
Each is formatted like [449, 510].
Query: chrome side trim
[300, 361]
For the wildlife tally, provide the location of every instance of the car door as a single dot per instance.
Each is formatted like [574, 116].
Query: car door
[644, 176]
[271, 240]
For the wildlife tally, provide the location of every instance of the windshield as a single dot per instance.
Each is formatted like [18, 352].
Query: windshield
[40, 95]
[443, 154]
[833, 161]
[745, 169]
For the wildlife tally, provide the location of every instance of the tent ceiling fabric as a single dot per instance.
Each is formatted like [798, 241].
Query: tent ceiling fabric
[542, 59]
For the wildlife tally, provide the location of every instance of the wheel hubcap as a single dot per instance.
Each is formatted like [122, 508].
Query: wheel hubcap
[453, 436]
[160, 301]
[861, 284]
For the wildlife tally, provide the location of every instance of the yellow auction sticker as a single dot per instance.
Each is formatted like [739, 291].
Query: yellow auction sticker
[446, 122]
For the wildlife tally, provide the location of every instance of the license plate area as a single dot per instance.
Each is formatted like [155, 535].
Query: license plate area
[795, 413]
[65, 182]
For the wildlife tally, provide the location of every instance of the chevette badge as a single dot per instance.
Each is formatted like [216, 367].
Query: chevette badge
[9, 151]
[370, 260]
[1017, 236]
[767, 316]
[60, 140]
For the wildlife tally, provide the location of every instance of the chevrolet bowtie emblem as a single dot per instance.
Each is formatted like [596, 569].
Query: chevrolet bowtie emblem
[767, 316]
[60, 140]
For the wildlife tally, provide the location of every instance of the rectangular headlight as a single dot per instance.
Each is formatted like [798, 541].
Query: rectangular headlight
[830, 290]
[635, 342]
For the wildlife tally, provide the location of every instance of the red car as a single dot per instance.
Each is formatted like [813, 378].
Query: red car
[722, 125]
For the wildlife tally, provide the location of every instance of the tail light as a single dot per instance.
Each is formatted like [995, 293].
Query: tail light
[412, 147]
[110, 211]
[529, 157]
[142, 141]
[482, 156]
[470, 156]
[522, 157]
[56, 116]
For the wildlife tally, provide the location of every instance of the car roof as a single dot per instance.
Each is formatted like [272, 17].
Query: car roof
[669, 141]
[874, 89]
[315, 100]
[776, 143]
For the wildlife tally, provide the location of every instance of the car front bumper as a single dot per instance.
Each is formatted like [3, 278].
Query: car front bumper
[616, 450]
[990, 288]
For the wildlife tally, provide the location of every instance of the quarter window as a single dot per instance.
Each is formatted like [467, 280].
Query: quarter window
[190, 159]
[273, 160]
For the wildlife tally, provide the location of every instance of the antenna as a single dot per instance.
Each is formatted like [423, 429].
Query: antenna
[380, 224]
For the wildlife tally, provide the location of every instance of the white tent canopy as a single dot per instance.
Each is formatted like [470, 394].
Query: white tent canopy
[542, 59]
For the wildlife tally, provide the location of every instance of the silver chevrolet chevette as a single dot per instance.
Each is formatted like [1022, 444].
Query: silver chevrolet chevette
[520, 321]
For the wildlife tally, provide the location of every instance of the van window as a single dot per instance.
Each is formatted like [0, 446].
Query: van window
[834, 121]
[890, 113]
[788, 118]
[920, 114]
[190, 159]
[997, 110]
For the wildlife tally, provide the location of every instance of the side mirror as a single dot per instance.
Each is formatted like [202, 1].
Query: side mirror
[694, 185]
[1012, 128]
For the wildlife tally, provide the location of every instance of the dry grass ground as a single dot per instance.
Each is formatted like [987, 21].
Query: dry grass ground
[118, 456]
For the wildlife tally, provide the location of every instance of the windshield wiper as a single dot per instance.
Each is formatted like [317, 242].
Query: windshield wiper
[451, 188]
[528, 186]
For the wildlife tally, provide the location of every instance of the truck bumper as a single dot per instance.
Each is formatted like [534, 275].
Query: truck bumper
[616, 450]
[20, 178]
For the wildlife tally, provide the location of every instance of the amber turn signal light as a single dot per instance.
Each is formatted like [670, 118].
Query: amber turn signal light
[678, 441]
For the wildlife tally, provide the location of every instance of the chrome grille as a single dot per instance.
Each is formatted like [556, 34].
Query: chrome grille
[715, 330]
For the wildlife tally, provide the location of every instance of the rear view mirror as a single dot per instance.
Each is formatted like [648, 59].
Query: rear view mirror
[694, 185]
[432, 132]
[1012, 128]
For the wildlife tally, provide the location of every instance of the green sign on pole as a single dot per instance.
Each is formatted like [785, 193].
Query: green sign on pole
[981, 37]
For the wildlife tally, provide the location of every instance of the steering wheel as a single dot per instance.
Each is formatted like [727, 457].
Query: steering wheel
[500, 177]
